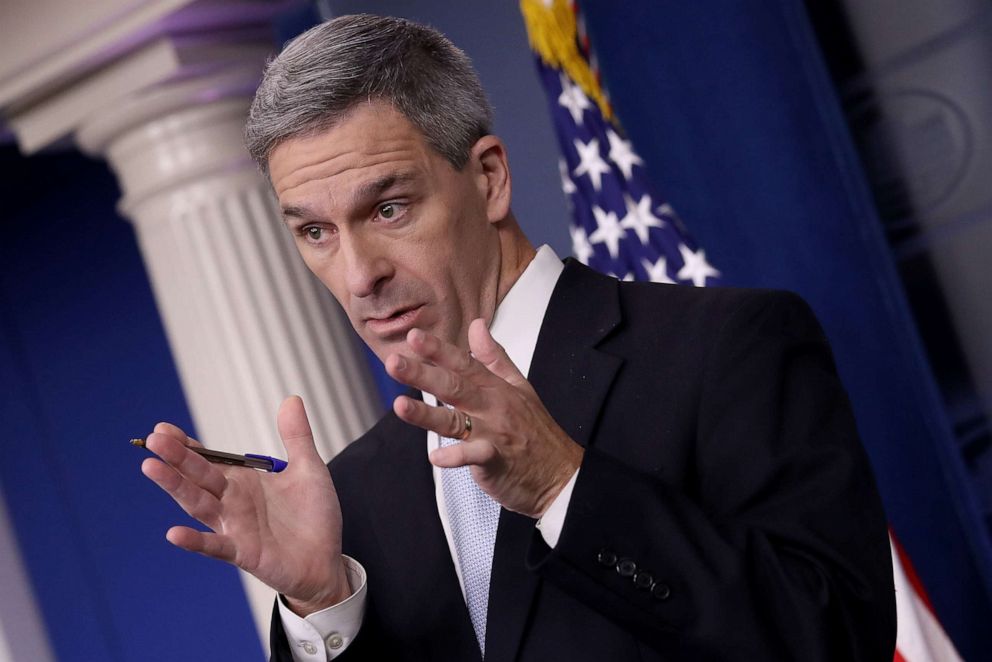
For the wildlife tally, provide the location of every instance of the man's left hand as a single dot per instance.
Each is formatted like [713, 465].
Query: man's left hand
[517, 453]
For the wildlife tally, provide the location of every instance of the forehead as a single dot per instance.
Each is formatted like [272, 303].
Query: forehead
[371, 140]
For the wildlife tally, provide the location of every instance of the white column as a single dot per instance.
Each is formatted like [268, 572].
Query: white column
[248, 324]
[163, 96]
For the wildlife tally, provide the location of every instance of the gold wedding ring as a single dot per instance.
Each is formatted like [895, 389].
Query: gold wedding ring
[468, 428]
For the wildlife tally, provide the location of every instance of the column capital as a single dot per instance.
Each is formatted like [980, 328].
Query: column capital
[109, 65]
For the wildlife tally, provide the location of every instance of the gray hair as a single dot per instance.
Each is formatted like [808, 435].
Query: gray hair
[323, 73]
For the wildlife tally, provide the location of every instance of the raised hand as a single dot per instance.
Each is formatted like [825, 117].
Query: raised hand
[284, 528]
[517, 453]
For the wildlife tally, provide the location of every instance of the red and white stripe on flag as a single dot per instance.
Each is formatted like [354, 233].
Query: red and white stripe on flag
[919, 635]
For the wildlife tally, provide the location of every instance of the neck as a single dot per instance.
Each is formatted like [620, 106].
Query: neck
[516, 252]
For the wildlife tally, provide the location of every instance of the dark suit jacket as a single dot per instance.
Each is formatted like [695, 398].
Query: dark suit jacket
[722, 469]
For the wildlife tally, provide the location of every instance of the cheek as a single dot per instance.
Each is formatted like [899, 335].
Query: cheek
[331, 280]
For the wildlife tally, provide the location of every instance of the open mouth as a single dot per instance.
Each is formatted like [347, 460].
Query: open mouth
[398, 323]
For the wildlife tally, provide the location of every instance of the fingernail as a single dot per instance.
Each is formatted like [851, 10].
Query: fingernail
[416, 335]
[401, 363]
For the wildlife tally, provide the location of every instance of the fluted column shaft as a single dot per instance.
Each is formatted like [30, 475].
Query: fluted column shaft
[248, 324]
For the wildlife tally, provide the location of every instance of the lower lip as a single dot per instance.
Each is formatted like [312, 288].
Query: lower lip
[398, 324]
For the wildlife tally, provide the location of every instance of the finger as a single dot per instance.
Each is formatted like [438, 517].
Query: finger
[214, 545]
[465, 453]
[295, 432]
[455, 388]
[191, 465]
[177, 432]
[439, 352]
[446, 421]
[197, 502]
[491, 354]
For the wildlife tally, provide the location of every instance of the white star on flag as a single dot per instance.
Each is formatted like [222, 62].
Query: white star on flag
[639, 217]
[696, 268]
[657, 272]
[590, 162]
[622, 154]
[573, 98]
[609, 231]
[567, 185]
[581, 247]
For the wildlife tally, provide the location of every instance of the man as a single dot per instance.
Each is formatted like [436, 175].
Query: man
[613, 470]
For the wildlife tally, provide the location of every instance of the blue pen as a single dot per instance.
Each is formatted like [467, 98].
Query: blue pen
[250, 460]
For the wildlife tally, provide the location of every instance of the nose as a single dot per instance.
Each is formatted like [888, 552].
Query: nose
[367, 265]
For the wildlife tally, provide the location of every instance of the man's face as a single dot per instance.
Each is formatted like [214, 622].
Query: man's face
[399, 237]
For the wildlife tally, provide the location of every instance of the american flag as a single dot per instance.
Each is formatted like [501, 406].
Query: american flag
[619, 223]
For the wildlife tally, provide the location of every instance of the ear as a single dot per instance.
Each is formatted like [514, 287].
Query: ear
[489, 158]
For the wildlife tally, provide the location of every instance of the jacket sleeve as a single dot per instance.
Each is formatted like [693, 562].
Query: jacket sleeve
[778, 549]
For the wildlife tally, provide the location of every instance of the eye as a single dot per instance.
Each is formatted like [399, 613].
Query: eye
[317, 235]
[391, 211]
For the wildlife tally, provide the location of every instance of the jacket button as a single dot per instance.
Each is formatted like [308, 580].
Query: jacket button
[661, 591]
[606, 557]
[626, 568]
[643, 580]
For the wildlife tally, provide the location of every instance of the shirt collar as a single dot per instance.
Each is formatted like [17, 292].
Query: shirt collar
[519, 316]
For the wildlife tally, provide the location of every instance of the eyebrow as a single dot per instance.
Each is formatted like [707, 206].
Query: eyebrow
[301, 213]
[367, 191]
[375, 188]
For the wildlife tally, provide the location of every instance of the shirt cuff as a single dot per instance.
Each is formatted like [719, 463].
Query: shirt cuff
[325, 634]
[554, 517]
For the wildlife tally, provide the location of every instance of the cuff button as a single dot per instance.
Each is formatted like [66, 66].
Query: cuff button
[626, 568]
[309, 648]
[661, 591]
[643, 580]
[334, 641]
[606, 557]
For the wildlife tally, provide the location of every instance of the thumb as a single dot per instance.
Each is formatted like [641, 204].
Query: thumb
[490, 354]
[295, 432]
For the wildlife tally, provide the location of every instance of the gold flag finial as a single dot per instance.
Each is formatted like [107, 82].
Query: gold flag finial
[553, 34]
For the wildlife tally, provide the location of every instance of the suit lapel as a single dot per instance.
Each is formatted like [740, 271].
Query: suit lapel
[570, 374]
[408, 528]
[572, 378]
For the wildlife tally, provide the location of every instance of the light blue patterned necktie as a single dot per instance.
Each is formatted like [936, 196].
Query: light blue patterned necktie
[474, 517]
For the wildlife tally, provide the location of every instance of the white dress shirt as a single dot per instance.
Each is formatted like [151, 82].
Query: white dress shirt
[327, 633]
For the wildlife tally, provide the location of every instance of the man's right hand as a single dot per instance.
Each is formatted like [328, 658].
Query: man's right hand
[284, 528]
